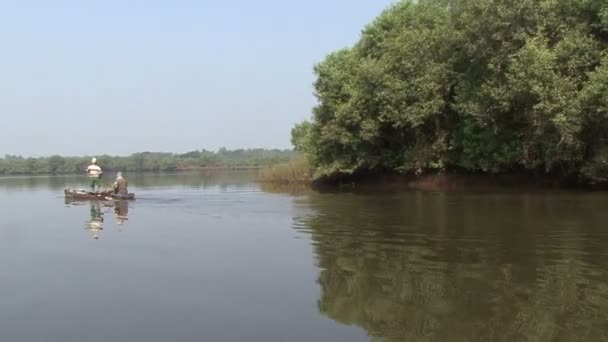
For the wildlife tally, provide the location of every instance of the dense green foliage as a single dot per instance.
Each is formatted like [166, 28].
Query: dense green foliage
[146, 162]
[488, 85]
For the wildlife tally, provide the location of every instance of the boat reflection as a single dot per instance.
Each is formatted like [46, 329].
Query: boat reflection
[97, 212]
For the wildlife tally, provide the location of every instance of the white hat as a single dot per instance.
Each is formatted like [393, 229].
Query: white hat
[94, 160]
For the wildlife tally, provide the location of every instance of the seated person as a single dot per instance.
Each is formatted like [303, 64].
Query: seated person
[120, 186]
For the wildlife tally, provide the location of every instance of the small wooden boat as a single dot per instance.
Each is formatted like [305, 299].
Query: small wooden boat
[79, 194]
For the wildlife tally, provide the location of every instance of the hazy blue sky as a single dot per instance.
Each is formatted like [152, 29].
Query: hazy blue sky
[91, 77]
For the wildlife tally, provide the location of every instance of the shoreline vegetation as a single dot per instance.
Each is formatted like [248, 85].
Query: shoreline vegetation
[482, 88]
[147, 162]
[296, 171]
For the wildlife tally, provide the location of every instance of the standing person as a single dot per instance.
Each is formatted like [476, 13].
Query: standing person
[94, 172]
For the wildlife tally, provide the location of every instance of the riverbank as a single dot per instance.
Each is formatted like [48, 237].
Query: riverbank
[298, 174]
[456, 181]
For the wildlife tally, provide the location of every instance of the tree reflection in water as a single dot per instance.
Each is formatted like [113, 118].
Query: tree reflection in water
[419, 266]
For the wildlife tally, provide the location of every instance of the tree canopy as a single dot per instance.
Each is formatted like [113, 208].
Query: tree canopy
[485, 86]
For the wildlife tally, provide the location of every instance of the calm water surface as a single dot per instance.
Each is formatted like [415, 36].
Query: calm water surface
[219, 258]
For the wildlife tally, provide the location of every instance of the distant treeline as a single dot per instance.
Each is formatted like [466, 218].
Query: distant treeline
[486, 86]
[146, 161]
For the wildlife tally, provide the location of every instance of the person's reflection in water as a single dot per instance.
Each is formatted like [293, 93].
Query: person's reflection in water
[95, 225]
[121, 213]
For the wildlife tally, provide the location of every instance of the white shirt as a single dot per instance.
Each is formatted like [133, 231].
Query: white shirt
[94, 170]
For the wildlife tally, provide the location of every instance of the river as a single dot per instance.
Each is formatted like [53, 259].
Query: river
[217, 257]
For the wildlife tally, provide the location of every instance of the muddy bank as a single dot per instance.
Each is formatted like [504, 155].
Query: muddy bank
[453, 181]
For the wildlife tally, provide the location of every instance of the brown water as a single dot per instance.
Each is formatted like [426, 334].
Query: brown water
[218, 258]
